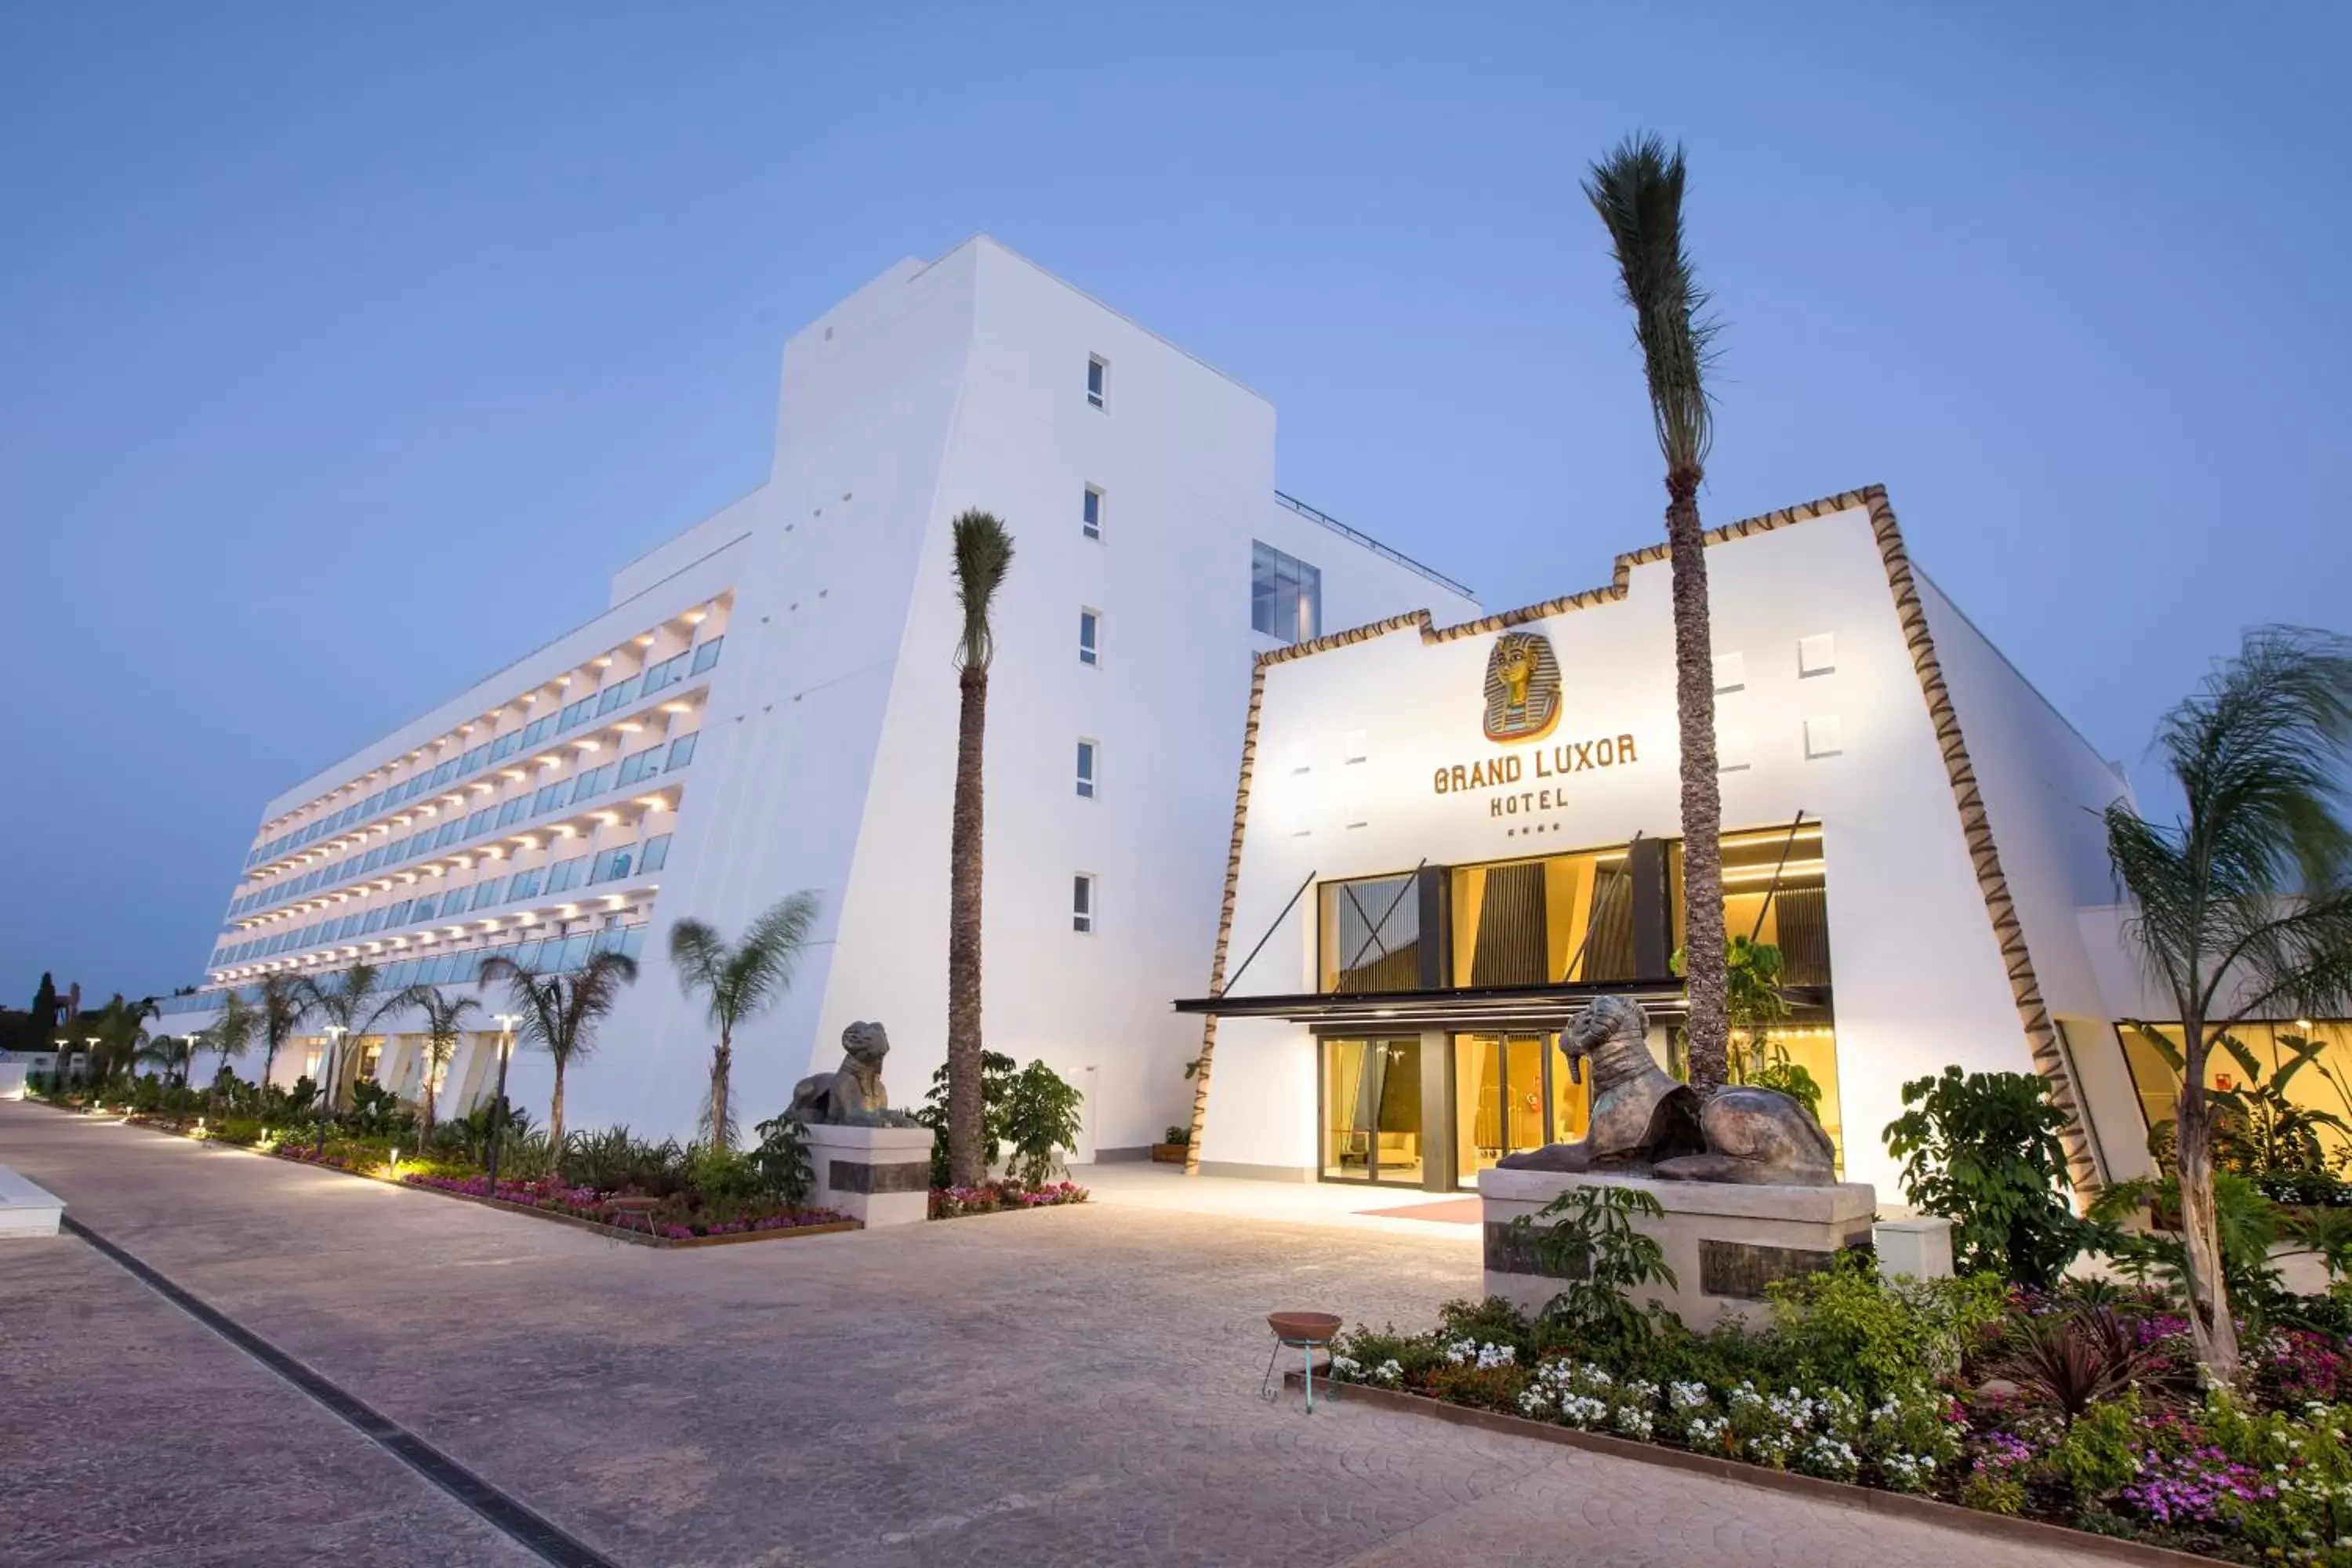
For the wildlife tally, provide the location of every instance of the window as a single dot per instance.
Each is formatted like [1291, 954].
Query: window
[423, 908]
[565, 874]
[473, 759]
[575, 714]
[1089, 636]
[512, 812]
[655, 856]
[1082, 904]
[1090, 513]
[374, 923]
[506, 746]
[549, 798]
[1286, 594]
[1086, 770]
[608, 864]
[538, 729]
[644, 764]
[591, 783]
[668, 673]
[1097, 372]
[487, 893]
[525, 885]
[681, 751]
[613, 697]
[452, 830]
[706, 655]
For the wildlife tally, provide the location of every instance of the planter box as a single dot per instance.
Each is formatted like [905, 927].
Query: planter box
[1169, 1154]
[1724, 1241]
[1840, 1494]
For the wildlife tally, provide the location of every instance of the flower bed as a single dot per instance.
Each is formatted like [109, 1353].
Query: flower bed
[669, 1221]
[950, 1203]
[1930, 1395]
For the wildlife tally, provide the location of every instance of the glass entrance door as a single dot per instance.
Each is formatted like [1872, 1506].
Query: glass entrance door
[1501, 1100]
[1372, 1111]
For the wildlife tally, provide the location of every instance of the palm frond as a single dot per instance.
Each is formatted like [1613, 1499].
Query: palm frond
[983, 555]
[1637, 190]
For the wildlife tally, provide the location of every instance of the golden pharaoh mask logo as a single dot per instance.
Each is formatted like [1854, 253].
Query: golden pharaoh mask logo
[1522, 687]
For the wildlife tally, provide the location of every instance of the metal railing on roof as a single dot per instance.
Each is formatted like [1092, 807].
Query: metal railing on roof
[1368, 542]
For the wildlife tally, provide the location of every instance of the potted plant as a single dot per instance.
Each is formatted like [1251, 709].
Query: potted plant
[1171, 1152]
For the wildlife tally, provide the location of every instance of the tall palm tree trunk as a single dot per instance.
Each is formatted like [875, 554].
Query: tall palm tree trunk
[555, 1109]
[432, 1069]
[2211, 1329]
[967, 1166]
[1704, 959]
[723, 1062]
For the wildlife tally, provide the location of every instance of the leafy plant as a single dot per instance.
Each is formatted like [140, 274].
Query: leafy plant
[2245, 1223]
[1041, 1114]
[2072, 1360]
[780, 1162]
[2258, 1130]
[1593, 1244]
[1846, 1327]
[1981, 1150]
[996, 1084]
[1178, 1134]
[376, 1112]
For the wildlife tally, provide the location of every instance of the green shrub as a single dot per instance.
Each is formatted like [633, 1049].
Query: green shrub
[780, 1162]
[1593, 1246]
[995, 1088]
[2099, 1452]
[1041, 1114]
[243, 1130]
[1848, 1327]
[1981, 1150]
[721, 1177]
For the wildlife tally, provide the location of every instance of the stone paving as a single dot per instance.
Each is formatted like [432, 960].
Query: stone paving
[1071, 1387]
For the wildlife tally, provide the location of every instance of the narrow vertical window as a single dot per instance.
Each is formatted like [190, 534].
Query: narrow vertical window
[1087, 770]
[1286, 594]
[1082, 904]
[1097, 370]
[1090, 513]
[1089, 636]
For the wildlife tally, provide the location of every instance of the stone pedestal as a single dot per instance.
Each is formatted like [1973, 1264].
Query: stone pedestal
[881, 1176]
[25, 1209]
[1724, 1242]
[1921, 1247]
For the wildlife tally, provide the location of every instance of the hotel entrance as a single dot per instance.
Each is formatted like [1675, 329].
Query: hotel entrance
[1512, 1092]
[1374, 1126]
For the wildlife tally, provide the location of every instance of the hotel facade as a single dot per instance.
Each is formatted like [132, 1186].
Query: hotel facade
[1450, 829]
[769, 704]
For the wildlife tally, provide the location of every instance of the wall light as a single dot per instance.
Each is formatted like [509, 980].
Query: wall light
[646, 640]
[677, 707]
[694, 618]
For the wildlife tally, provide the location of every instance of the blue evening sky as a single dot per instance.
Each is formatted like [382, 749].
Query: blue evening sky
[344, 351]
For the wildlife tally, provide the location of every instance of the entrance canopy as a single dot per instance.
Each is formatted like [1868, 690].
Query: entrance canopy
[1473, 1007]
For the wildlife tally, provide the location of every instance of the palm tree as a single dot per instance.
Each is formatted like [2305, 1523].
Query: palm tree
[445, 1020]
[2242, 908]
[232, 1033]
[740, 983]
[119, 1028]
[984, 553]
[356, 1002]
[561, 1011]
[169, 1053]
[285, 1001]
[1638, 191]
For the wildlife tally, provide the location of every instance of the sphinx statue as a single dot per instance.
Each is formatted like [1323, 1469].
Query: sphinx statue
[1645, 1123]
[852, 1095]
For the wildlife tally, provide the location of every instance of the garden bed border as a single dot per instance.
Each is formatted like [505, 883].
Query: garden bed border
[1840, 1494]
[612, 1232]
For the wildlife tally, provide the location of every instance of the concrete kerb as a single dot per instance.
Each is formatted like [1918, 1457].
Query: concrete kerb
[1839, 1494]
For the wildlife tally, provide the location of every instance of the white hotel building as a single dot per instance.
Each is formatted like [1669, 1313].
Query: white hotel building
[769, 704]
[1450, 829]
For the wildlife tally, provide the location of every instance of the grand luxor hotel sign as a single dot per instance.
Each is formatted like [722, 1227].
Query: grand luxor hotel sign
[1523, 710]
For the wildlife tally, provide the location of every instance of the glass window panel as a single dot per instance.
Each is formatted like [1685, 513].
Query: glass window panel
[1370, 935]
[706, 655]
[656, 854]
[681, 751]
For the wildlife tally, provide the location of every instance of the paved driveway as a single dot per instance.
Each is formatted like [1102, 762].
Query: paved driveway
[1070, 1387]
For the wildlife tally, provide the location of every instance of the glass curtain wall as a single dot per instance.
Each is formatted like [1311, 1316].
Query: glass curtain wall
[2323, 1083]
